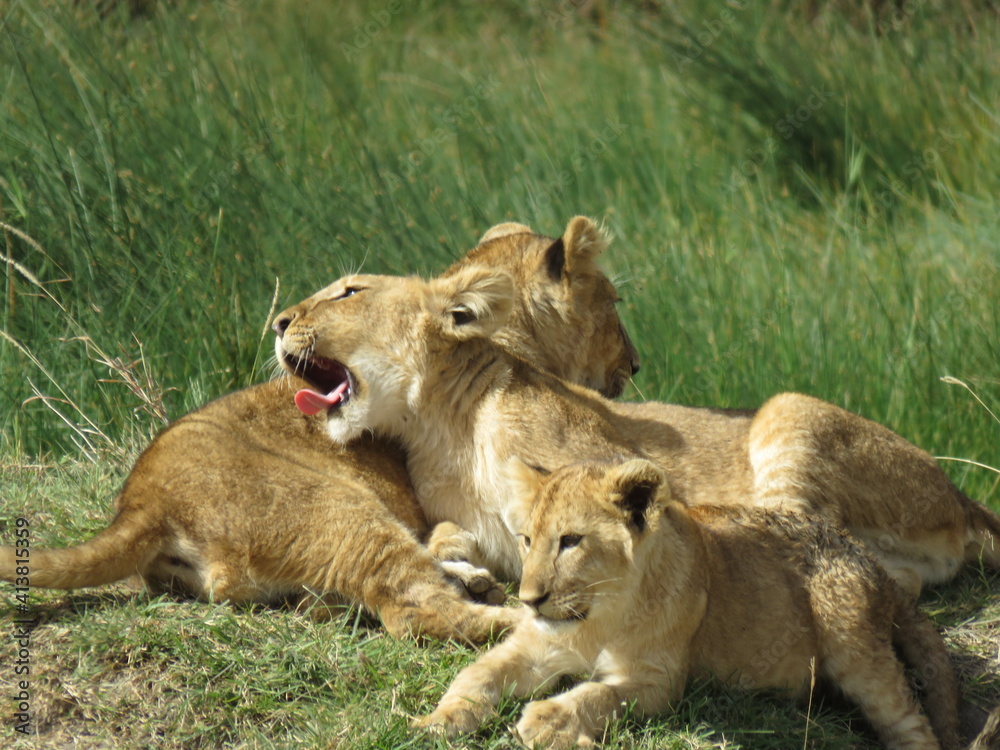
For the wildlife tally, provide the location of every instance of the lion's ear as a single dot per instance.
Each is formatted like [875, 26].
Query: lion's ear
[638, 487]
[524, 482]
[502, 230]
[473, 303]
[582, 242]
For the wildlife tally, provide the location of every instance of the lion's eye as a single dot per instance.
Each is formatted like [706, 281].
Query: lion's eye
[566, 541]
[348, 292]
[526, 541]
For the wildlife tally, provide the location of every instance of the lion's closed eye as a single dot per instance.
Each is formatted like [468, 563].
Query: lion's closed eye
[349, 292]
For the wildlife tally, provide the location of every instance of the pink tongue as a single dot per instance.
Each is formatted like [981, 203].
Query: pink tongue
[311, 402]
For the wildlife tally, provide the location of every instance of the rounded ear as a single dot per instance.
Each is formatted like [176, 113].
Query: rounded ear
[582, 242]
[637, 488]
[524, 482]
[523, 479]
[473, 303]
[502, 230]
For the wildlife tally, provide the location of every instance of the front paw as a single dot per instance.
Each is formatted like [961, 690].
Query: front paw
[452, 719]
[552, 725]
[477, 583]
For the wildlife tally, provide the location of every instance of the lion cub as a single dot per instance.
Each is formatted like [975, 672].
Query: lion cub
[247, 500]
[642, 593]
[430, 376]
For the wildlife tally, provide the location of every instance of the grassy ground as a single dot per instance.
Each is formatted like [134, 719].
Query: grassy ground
[801, 203]
[116, 668]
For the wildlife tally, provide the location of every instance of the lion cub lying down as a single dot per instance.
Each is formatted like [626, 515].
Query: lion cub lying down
[641, 593]
[247, 499]
[462, 406]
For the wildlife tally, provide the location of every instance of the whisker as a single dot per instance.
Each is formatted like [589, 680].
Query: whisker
[272, 368]
[598, 583]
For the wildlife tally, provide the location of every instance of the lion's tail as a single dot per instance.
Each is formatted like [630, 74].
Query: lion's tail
[984, 526]
[121, 550]
[923, 649]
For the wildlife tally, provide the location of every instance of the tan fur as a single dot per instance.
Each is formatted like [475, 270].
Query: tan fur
[462, 407]
[246, 499]
[641, 593]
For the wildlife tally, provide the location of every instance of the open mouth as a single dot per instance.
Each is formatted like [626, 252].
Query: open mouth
[332, 384]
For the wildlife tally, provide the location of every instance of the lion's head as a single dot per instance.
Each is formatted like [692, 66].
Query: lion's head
[563, 319]
[372, 347]
[582, 530]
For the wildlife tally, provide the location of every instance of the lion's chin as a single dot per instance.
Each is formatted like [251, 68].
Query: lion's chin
[343, 426]
[560, 625]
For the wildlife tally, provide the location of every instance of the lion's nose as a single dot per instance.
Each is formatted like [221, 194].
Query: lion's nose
[535, 601]
[281, 324]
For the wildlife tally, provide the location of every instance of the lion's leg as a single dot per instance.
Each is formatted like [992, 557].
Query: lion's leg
[433, 609]
[573, 719]
[449, 541]
[876, 682]
[808, 454]
[457, 552]
[924, 651]
[365, 554]
[216, 575]
[854, 610]
[523, 664]
[580, 716]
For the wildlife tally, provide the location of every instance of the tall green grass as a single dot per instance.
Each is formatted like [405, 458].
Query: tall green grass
[800, 204]
[825, 191]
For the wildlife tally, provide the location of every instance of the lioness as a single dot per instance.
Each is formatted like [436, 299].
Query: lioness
[640, 592]
[246, 499]
[430, 376]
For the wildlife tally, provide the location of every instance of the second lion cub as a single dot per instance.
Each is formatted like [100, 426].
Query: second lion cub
[641, 593]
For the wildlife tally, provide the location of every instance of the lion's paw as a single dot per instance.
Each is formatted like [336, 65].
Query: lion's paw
[451, 719]
[477, 583]
[551, 724]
